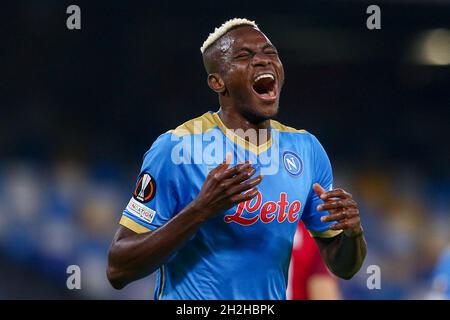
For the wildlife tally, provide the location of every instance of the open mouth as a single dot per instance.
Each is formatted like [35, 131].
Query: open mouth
[265, 86]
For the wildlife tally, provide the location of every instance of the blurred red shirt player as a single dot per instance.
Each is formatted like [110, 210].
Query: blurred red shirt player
[309, 278]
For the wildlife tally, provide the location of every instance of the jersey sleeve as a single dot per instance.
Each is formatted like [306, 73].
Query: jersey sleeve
[322, 174]
[155, 197]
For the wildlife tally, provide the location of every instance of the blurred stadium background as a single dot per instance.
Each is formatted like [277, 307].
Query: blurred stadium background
[78, 109]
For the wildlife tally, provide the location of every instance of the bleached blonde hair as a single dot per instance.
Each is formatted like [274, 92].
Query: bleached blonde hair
[224, 28]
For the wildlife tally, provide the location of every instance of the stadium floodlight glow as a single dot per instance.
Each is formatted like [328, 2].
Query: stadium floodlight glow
[432, 48]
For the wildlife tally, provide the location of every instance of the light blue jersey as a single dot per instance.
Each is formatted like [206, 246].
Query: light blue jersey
[243, 253]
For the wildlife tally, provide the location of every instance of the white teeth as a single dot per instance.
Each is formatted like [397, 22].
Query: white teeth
[262, 76]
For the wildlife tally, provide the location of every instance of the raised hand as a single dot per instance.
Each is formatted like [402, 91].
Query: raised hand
[225, 187]
[342, 208]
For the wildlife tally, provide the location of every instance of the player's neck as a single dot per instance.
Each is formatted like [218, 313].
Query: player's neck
[234, 120]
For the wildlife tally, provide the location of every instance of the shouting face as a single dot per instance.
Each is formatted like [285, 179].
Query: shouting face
[245, 69]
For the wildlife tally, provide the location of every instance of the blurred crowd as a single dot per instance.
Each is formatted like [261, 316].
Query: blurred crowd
[53, 216]
[407, 226]
[60, 215]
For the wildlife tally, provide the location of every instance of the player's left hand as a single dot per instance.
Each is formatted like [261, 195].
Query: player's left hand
[342, 208]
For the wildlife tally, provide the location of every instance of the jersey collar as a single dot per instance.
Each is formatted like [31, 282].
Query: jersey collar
[239, 140]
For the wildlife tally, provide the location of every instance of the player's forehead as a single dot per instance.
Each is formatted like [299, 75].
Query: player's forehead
[247, 37]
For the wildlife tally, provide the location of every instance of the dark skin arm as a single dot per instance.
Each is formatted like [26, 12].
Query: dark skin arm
[344, 254]
[133, 256]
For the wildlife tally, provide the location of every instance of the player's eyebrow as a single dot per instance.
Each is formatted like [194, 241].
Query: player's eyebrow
[243, 49]
[269, 45]
[266, 46]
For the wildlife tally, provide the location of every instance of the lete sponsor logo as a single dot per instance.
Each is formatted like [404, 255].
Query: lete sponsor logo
[269, 211]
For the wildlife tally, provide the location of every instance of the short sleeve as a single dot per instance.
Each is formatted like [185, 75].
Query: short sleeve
[155, 197]
[322, 174]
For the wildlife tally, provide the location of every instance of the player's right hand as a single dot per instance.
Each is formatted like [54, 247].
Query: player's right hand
[225, 187]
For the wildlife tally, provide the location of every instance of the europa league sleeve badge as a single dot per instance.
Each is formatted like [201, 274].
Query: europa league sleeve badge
[145, 188]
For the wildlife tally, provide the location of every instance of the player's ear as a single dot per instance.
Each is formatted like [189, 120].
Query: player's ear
[216, 83]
